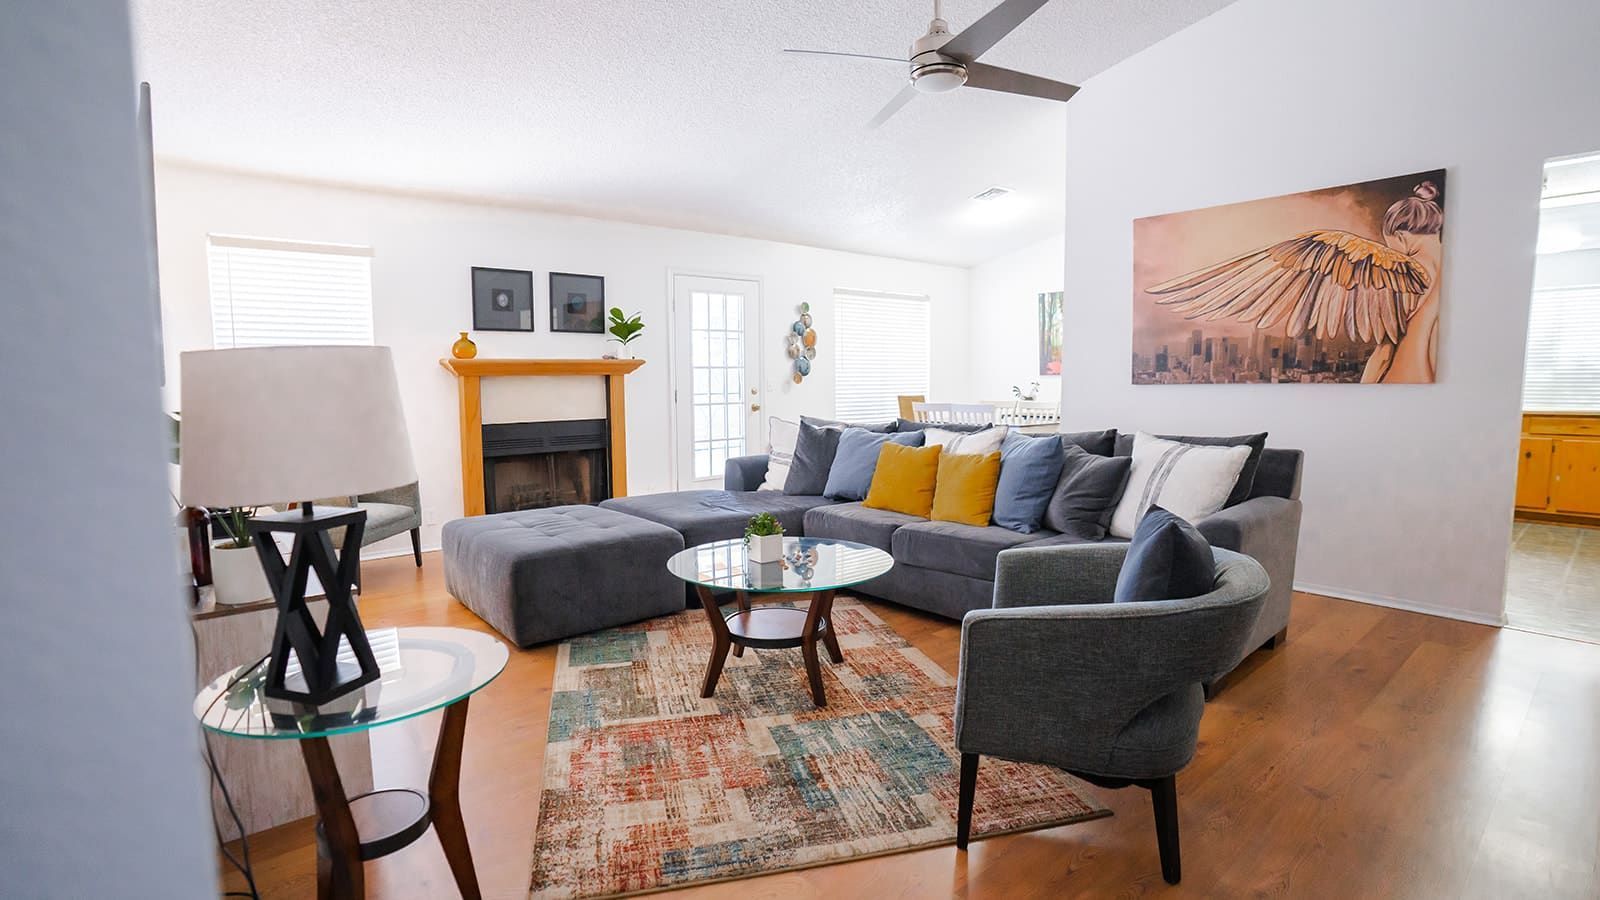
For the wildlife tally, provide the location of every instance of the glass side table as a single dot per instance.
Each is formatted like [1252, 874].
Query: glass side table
[811, 569]
[423, 669]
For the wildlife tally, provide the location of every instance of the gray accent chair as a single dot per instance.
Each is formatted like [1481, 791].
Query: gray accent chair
[392, 512]
[1055, 673]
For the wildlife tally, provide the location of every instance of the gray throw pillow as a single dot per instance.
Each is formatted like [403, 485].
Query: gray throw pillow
[880, 427]
[856, 460]
[912, 425]
[813, 457]
[1100, 443]
[1087, 493]
[1168, 559]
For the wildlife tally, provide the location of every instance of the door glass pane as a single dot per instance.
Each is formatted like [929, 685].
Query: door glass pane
[717, 341]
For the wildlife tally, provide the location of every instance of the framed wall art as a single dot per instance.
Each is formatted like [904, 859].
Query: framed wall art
[502, 299]
[577, 303]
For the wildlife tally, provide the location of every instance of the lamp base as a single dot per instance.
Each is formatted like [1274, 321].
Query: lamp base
[323, 676]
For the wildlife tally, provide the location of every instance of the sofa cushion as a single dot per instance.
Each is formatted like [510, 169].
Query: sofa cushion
[985, 440]
[857, 458]
[905, 480]
[782, 435]
[1087, 493]
[881, 427]
[913, 425]
[706, 516]
[1168, 560]
[967, 550]
[814, 450]
[1100, 443]
[855, 522]
[1029, 470]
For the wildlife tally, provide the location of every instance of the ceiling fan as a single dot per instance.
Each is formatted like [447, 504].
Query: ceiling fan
[941, 61]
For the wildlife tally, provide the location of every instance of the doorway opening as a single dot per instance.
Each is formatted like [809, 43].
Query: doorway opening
[1553, 578]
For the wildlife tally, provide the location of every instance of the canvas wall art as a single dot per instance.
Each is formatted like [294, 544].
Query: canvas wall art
[1338, 285]
[1050, 333]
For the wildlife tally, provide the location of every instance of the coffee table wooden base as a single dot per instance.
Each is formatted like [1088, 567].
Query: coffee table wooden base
[772, 627]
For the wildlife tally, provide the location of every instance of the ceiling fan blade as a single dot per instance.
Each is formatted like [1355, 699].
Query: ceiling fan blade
[990, 28]
[851, 55]
[994, 78]
[906, 95]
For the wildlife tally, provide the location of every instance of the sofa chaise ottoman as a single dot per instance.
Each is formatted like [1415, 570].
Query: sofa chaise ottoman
[545, 574]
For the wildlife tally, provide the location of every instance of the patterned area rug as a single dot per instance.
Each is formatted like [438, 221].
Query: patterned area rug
[648, 787]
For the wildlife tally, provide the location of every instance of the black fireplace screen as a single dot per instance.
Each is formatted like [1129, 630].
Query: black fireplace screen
[529, 465]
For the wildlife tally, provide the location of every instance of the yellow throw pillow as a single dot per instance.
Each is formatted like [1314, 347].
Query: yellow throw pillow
[965, 490]
[904, 479]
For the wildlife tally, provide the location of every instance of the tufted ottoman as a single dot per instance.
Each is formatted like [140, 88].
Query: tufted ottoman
[545, 574]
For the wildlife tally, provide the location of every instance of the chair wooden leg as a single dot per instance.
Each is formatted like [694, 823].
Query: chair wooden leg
[416, 545]
[1164, 797]
[969, 786]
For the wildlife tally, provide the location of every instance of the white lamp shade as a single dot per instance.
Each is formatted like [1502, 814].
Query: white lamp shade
[267, 425]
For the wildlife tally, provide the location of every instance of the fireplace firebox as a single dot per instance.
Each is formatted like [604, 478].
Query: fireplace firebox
[530, 465]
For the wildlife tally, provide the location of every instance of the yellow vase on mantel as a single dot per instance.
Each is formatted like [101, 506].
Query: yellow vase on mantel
[464, 348]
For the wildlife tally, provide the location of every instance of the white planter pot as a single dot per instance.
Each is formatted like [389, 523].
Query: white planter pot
[765, 548]
[236, 575]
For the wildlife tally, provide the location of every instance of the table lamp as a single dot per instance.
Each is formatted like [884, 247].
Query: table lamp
[279, 425]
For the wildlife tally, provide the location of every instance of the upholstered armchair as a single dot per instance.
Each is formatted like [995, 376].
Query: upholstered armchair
[1055, 673]
[392, 512]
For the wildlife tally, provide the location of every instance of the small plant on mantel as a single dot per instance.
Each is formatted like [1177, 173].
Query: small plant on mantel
[624, 329]
[763, 538]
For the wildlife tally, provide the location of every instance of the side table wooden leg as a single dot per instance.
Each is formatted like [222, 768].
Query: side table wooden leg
[339, 875]
[829, 638]
[444, 799]
[808, 648]
[721, 640]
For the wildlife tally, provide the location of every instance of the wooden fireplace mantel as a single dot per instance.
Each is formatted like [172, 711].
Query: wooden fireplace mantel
[469, 374]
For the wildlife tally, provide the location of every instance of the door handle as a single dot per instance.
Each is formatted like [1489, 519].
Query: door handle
[755, 407]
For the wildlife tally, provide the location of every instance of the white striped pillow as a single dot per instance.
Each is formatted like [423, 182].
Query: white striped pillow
[1187, 480]
[781, 437]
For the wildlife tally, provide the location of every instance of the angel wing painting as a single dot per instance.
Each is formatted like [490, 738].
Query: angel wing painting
[1334, 285]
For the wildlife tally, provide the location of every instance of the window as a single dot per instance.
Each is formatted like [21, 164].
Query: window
[882, 352]
[267, 293]
[717, 358]
[1563, 364]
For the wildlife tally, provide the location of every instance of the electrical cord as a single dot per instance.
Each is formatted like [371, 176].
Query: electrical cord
[245, 868]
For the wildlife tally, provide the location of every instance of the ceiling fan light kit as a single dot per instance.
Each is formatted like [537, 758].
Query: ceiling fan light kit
[940, 61]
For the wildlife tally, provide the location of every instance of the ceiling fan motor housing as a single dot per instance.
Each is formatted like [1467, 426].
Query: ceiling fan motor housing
[931, 71]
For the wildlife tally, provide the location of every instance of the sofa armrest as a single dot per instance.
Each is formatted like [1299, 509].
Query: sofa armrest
[744, 473]
[1268, 530]
[1063, 574]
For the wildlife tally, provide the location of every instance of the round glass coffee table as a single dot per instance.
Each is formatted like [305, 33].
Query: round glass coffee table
[422, 670]
[811, 569]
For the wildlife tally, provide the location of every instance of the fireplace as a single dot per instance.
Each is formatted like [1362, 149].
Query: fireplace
[529, 465]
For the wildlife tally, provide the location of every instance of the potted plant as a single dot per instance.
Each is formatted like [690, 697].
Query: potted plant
[763, 538]
[624, 329]
[236, 574]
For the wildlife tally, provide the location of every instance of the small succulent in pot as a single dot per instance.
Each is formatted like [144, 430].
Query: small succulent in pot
[763, 538]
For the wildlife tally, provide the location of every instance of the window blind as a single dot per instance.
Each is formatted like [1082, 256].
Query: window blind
[1562, 373]
[883, 350]
[268, 293]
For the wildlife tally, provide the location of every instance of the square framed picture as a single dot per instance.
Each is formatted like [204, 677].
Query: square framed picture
[577, 303]
[502, 299]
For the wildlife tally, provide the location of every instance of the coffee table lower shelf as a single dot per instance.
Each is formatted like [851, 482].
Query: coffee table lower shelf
[771, 628]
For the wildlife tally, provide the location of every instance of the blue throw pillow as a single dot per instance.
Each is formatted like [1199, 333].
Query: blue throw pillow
[1029, 470]
[1169, 559]
[857, 459]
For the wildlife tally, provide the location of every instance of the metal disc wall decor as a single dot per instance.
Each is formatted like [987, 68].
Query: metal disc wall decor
[801, 342]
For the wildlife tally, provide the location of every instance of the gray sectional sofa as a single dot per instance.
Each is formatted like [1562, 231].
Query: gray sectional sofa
[948, 569]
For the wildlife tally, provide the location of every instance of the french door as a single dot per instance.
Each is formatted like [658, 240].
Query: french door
[716, 374]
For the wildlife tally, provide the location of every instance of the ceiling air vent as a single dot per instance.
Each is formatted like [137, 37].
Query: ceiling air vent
[993, 193]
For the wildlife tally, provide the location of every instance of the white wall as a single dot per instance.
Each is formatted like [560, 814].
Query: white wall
[101, 791]
[1005, 320]
[425, 247]
[1407, 488]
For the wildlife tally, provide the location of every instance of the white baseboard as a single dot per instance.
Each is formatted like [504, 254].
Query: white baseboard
[386, 554]
[1497, 620]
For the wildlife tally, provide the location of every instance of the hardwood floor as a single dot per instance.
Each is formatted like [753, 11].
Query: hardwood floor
[1376, 754]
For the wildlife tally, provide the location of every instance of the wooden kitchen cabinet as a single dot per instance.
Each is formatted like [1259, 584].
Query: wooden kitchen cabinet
[1558, 467]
